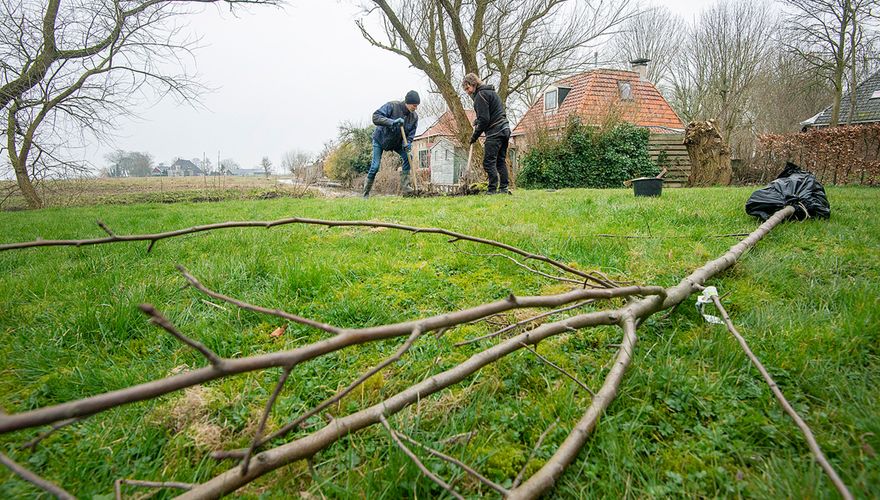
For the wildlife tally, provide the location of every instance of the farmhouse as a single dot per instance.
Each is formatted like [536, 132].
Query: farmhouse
[601, 96]
[436, 149]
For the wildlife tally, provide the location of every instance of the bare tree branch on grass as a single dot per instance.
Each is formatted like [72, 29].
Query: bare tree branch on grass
[805, 429]
[305, 446]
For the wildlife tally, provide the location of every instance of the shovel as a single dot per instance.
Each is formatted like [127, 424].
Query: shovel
[412, 166]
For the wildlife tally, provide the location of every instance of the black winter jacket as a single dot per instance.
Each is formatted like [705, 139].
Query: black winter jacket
[387, 136]
[491, 117]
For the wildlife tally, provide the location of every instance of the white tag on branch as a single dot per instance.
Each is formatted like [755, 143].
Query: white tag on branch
[706, 298]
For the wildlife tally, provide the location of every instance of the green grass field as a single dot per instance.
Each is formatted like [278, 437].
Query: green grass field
[692, 419]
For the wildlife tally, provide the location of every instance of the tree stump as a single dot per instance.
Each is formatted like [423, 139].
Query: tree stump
[710, 157]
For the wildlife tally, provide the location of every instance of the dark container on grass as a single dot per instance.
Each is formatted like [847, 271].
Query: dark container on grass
[647, 186]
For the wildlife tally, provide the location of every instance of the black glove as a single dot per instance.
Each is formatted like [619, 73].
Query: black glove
[397, 122]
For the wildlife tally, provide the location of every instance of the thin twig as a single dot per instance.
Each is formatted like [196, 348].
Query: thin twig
[157, 319]
[245, 462]
[522, 472]
[523, 322]
[658, 237]
[560, 370]
[488, 482]
[416, 460]
[805, 429]
[117, 485]
[32, 444]
[153, 238]
[105, 228]
[250, 307]
[34, 479]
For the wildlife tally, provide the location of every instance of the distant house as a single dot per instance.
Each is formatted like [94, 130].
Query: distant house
[183, 168]
[867, 108]
[161, 170]
[438, 144]
[601, 95]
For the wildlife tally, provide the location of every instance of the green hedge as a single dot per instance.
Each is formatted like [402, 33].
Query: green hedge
[586, 156]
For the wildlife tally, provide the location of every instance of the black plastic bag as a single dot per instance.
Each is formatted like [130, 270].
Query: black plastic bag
[794, 187]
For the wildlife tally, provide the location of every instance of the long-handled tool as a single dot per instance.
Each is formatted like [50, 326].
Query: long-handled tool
[467, 166]
[412, 166]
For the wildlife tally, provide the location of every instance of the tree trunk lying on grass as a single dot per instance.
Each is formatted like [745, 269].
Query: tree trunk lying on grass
[254, 465]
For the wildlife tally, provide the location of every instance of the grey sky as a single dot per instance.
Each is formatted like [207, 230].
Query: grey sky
[284, 80]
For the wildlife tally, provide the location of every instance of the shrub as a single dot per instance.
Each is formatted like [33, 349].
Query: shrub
[586, 156]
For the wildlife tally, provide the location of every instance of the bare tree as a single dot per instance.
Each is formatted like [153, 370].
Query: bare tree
[75, 66]
[721, 61]
[832, 36]
[228, 166]
[266, 165]
[295, 160]
[656, 34]
[788, 87]
[517, 44]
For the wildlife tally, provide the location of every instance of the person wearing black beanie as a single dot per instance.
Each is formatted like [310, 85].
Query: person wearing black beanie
[388, 120]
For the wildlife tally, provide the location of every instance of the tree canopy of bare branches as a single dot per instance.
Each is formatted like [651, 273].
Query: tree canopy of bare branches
[655, 33]
[70, 68]
[517, 45]
[721, 61]
[836, 39]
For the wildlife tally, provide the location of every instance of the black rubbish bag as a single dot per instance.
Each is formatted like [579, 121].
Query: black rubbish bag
[794, 187]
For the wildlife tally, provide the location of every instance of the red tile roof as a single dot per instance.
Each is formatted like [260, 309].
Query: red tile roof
[595, 94]
[445, 125]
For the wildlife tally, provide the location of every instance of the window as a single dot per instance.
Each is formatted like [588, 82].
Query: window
[626, 92]
[876, 94]
[447, 154]
[550, 101]
[423, 158]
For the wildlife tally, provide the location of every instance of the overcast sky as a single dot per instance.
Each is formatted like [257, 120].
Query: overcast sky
[284, 80]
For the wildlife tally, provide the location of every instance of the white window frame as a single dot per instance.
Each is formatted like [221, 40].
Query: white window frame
[628, 95]
[555, 93]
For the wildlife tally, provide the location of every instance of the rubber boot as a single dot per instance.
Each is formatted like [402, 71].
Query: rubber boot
[368, 186]
[405, 189]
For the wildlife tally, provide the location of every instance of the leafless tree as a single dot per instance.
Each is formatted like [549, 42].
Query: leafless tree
[788, 87]
[228, 166]
[833, 36]
[656, 34]
[516, 44]
[76, 66]
[722, 58]
[266, 165]
[295, 160]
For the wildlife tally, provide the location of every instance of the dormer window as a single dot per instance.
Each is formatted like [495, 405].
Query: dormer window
[626, 91]
[551, 100]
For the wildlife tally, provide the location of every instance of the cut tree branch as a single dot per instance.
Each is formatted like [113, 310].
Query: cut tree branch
[805, 429]
[153, 238]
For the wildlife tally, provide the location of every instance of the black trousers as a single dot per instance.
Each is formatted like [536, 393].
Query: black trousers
[495, 160]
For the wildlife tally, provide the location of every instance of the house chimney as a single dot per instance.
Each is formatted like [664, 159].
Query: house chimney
[640, 66]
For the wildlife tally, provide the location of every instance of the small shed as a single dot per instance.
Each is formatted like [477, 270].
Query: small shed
[447, 160]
